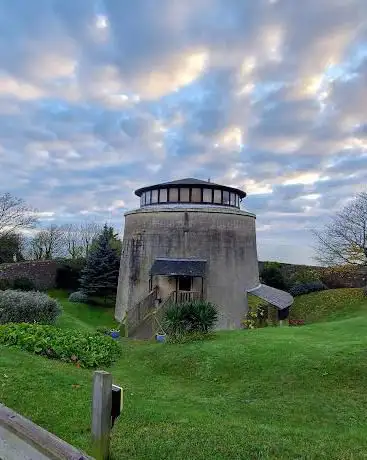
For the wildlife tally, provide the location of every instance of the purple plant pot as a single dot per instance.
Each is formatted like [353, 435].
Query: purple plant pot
[115, 335]
[160, 338]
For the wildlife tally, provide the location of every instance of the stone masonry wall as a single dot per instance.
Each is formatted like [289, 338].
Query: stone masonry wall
[42, 273]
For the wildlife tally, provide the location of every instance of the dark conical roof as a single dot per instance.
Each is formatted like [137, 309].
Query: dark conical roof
[187, 182]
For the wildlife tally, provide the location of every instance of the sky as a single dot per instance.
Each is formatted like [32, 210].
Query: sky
[98, 98]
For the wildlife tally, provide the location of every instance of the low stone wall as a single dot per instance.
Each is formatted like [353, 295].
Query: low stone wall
[41, 272]
[21, 439]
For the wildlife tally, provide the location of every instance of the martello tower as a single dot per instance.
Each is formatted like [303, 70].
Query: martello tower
[190, 240]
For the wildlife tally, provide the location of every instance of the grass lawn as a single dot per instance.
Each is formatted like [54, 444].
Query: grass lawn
[273, 393]
[82, 316]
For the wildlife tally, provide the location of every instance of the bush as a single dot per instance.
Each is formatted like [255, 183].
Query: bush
[191, 317]
[78, 297]
[4, 284]
[27, 307]
[23, 284]
[365, 291]
[305, 288]
[272, 275]
[68, 275]
[305, 275]
[82, 348]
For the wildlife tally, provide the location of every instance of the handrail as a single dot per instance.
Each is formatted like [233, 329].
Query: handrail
[139, 311]
[158, 313]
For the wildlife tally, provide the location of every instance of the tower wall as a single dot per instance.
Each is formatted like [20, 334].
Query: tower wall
[225, 237]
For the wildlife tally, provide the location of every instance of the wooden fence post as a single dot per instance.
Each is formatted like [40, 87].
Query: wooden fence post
[101, 414]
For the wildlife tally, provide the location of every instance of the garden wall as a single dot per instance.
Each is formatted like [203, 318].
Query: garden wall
[41, 272]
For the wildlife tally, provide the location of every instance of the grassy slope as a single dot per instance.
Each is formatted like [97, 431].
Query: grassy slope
[273, 393]
[329, 305]
[82, 316]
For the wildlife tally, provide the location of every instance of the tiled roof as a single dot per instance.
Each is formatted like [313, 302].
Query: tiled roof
[280, 299]
[179, 267]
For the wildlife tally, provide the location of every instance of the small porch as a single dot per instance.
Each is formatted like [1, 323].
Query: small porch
[182, 280]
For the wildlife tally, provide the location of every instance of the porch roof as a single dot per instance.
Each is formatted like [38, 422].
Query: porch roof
[179, 267]
[276, 297]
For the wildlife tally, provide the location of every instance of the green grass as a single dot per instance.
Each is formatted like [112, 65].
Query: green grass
[273, 393]
[329, 305]
[81, 316]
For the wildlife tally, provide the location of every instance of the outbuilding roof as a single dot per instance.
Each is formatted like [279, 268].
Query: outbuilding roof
[190, 181]
[178, 267]
[276, 297]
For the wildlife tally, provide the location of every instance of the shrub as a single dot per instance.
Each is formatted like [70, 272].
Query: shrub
[78, 297]
[305, 288]
[82, 348]
[272, 275]
[27, 307]
[257, 313]
[4, 284]
[191, 317]
[68, 275]
[23, 284]
[365, 290]
[305, 275]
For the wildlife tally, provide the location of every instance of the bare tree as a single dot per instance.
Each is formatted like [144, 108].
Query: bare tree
[89, 231]
[78, 238]
[48, 243]
[344, 239]
[15, 215]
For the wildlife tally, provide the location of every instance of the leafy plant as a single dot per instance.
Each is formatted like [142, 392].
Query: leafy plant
[256, 315]
[23, 284]
[28, 307]
[305, 288]
[191, 317]
[78, 297]
[103, 330]
[365, 291]
[82, 348]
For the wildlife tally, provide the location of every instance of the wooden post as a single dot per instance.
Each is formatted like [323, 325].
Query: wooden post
[101, 414]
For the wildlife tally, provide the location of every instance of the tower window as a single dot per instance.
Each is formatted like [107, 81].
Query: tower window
[196, 195]
[225, 197]
[154, 196]
[163, 195]
[232, 199]
[173, 195]
[218, 196]
[207, 195]
[185, 195]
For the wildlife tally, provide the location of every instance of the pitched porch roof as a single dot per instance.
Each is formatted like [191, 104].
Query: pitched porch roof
[276, 297]
[179, 267]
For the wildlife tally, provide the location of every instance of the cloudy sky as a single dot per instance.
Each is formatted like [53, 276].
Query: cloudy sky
[99, 98]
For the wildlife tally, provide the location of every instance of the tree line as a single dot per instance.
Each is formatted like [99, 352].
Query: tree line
[21, 238]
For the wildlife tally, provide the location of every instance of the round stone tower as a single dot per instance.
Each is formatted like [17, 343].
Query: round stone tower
[189, 240]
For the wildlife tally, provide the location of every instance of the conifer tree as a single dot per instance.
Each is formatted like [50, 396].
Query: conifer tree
[100, 274]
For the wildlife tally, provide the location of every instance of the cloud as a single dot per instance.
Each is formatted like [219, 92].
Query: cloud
[98, 98]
